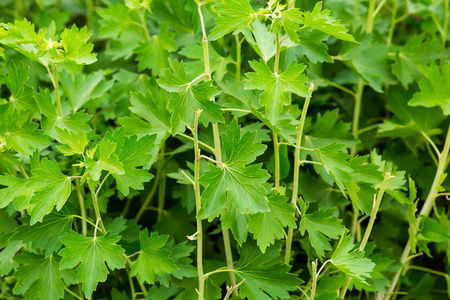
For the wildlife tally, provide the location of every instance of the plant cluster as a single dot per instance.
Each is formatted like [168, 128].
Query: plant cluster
[224, 149]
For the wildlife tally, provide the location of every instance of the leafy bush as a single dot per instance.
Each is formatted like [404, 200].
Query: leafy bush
[224, 149]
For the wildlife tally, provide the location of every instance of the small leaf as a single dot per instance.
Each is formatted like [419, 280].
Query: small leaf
[74, 142]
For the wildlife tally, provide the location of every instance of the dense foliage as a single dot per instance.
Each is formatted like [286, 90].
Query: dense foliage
[224, 149]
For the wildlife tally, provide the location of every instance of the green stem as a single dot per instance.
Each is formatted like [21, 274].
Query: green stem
[425, 211]
[89, 13]
[276, 153]
[374, 212]
[56, 85]
[95, 204]
[393, 22]
[151, 194]
[82, 206]
[144, 24]
[238, 60]
[276, 146]
[357, 113]
[291, 4]
[161, 185]
[446, 20]
[198, 204]
[369, 228]
[20, 9]
[370, 16]
[297, 164]
[217, 148]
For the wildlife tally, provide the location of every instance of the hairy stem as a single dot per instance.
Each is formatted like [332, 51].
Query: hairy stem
[425, 211]
[297, 164]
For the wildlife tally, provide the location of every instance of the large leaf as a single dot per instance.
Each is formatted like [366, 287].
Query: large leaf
[234, 181]
[91, 254]
[264, 274]
[153, 258]
[186, 98]
[276, 87]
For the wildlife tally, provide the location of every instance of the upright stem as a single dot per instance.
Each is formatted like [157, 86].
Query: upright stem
[370, 16]
[95, 204]
[276, 153]
[368, 231]
[159, 173]
[373, 215]
[198, 203]
[89, 13]
[425, 211]
[446, 20]
[20, 9]
[357, 113]
[393, 22]
[56, 82]
[291, 4]
[82, 206]
[217, 148]
[276, 145]
[161, 184]
[297, 164]
[238, 60]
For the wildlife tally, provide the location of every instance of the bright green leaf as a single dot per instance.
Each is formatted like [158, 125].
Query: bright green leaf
[91, 254]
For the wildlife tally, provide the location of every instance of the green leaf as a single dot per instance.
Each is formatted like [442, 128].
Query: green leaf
[351, 262]
[45, 235]
[335, 163]
[370, 61]
[237, 222]
[416, 51]
[187, 98]
[234, 16]
[52, 188]
[180, 254]
[266, 277]
[17, 190]
[134, 155]
[153, 258]
[218, 63]
[312, 46]
[73, 142]
[321, 227]
[408, 122]
[91, 254]
[290, 20]
[276, 87]
[434, 88]
[329, 129]
[234, 181]
[75, 45]
[321, 20]
[81, 88]
[269, 226]
[21, 98]
[154, 118]
[107, 160]
[21, 135]
[154, 53]
[39, 276]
